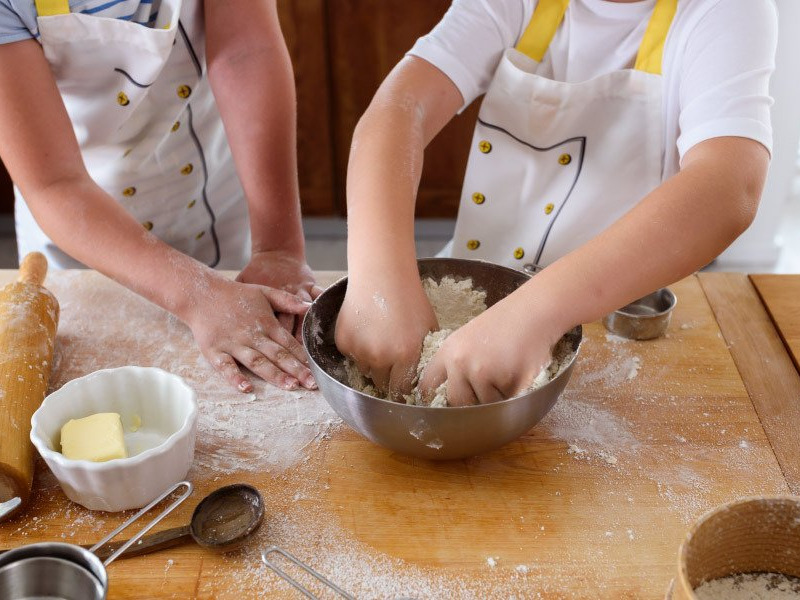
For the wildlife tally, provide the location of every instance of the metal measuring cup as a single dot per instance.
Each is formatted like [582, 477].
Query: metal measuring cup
[67, 571]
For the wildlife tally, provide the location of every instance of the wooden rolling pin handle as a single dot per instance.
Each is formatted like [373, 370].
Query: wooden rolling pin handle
[33, 268]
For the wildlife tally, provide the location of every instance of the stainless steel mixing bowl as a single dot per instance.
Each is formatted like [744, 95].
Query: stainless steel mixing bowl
[421, 431]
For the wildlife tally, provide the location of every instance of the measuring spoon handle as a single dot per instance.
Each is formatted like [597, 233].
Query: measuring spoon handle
[149, 543]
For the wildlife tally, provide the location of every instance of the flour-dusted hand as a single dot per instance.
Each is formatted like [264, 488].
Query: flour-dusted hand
[235, 322]
[495, 356]
[381, 326]
[284, 271]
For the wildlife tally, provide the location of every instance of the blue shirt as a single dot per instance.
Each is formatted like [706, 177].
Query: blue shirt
[18, 17]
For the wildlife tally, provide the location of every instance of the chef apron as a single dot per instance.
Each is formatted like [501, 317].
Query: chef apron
[148, 129]
[553, 164]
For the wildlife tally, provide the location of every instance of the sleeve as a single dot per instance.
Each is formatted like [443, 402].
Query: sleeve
[469, 41]
[13, 25]
[724, 89]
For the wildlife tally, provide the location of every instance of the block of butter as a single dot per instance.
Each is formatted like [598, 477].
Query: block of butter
[97, 438]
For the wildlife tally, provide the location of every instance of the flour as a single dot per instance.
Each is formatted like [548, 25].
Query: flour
[455, 303]
[750, 586]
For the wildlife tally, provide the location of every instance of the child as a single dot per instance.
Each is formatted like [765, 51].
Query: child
[112, 116]
[622, 145]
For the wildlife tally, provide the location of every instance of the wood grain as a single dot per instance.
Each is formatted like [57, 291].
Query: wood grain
[304, 28]
[781, 297]
[367, 39]
[766, 369]
[591, 503]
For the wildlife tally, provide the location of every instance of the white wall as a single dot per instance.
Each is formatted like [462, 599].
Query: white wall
[758, 246]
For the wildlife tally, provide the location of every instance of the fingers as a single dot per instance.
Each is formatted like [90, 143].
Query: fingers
[460, 392]
[285, 338]
[227, 367]
[267, 352]
[284, 302]
[401, 378]
[316, 291]
[286, 321]
[486, 392]
[380, 377]
[432, 377]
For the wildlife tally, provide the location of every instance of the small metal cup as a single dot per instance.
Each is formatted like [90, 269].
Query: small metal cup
[66, 571]
[644, 319]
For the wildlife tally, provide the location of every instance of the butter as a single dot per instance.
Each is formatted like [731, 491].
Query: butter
[136, 423]
[97, 438]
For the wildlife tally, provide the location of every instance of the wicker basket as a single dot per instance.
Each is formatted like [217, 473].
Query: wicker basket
[751, 535]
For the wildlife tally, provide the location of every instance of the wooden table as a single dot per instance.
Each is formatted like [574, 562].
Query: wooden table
[781, 296]
[591, 503]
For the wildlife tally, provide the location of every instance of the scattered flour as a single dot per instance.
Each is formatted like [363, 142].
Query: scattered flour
[455, 303]
[750, 586]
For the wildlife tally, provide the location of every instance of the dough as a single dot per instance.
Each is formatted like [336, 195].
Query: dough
[455, 303]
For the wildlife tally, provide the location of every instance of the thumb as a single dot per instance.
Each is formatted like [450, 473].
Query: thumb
[284, 302]
[432, 377]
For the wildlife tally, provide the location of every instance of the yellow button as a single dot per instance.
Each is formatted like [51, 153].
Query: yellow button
[187, 168]
[148, 225]
[122, 99]
[176, 125]
[564, 159]
[184, 91]
[473, 244]
[549, 208]
[129, 191]
[478, 198]
[199, 235]
[519, 253]
[191, 204]
[485, 146]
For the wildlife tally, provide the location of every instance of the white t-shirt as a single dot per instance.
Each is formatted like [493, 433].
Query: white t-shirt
[717, 60]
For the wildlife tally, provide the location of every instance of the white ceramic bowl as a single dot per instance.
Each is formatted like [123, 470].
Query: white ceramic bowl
[160, 450]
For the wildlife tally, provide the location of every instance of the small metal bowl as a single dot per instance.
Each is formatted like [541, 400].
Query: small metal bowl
[422, 431]
[644, 319]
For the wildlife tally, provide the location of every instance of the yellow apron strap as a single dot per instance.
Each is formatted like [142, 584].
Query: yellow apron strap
[49, 8]
[652, 47]
[547, 16]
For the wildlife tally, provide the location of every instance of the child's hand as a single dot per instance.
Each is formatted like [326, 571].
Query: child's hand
[493, 357]
[383, 331]
[234, 321]
[283, 271]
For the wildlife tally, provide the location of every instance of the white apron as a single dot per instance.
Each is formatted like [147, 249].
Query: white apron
[148, 129]
[553, 164]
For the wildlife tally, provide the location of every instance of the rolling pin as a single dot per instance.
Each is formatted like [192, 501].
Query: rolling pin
[28, 321]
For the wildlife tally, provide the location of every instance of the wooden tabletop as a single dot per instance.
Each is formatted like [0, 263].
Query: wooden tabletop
[592, 503]
[781, 296]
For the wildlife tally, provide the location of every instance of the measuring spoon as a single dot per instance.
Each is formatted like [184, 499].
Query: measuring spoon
[223, 521]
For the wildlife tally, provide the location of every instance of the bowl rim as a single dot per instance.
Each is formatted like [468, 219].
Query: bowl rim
[167, 445]
[637, 317]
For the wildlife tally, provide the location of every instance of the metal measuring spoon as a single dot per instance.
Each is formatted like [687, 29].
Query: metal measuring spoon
[223, 521]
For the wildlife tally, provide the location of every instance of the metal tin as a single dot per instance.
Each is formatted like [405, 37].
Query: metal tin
[644, 319]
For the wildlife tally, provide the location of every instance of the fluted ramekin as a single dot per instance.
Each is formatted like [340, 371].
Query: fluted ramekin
[159, 418]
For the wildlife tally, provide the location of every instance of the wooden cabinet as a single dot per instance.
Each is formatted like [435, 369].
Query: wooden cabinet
[366, 39]
[341, 51]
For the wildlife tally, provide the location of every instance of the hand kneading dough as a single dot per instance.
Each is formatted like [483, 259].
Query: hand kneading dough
[97, 438]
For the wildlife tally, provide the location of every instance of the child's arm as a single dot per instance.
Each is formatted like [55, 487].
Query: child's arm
[385, 314]
[39, 148]
[678, 228]
[251, 75]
